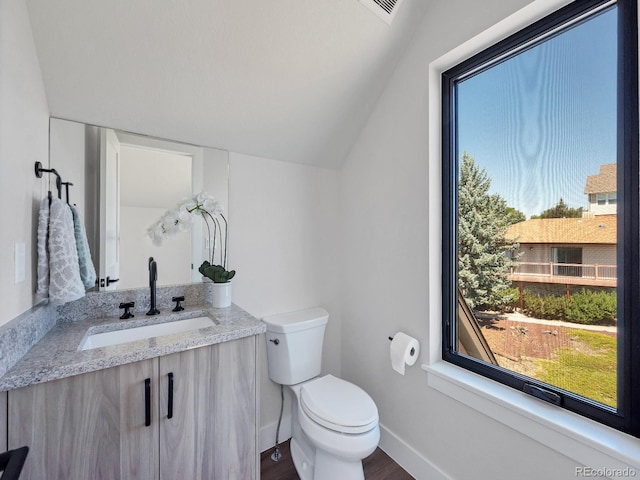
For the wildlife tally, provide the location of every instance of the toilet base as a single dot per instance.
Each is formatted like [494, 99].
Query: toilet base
[323, 466]
[329, 456]
[329, 467]
[303, 462]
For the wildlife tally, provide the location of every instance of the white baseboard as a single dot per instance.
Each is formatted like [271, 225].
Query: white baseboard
[268, 433]
[408, 458]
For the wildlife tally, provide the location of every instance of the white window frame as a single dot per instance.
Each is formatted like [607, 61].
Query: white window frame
[587, 442]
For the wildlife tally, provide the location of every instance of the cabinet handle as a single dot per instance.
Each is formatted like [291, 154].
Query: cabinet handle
[147, 402]
[170, 403]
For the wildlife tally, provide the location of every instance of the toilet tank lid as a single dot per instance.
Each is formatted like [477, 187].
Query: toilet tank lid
[295, 321]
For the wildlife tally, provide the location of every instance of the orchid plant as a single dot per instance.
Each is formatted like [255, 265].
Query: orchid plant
[182, 217]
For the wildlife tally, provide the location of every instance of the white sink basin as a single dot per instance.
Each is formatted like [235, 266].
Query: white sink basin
[117, 337]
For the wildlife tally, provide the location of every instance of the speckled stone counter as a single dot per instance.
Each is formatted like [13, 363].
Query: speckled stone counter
[57, 355]
[20, 334]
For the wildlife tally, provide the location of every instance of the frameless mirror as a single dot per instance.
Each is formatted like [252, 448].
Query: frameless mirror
[122, 183]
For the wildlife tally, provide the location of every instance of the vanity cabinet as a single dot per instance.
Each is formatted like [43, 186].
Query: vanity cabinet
[89, 426]
[93, 426]
[3, 421]
[213, 430]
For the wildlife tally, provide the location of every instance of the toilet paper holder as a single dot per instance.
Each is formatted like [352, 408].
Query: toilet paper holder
[412, 352]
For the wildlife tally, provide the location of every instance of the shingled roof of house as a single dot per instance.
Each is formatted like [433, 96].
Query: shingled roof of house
[598, 230]
[604, 182]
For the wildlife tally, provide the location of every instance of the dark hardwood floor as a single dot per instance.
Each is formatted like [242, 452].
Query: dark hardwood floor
[377, 466]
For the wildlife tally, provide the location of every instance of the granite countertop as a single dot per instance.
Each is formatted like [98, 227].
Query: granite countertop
[57, 355]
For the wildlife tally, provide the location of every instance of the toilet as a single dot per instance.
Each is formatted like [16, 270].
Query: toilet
[334, 422]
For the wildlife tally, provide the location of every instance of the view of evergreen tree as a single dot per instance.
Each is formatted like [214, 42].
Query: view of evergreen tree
[513, 216]
[483, 263]
[561, 210]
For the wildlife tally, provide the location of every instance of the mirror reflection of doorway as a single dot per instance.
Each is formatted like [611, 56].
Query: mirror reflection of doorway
[152, 181]
[110, 207]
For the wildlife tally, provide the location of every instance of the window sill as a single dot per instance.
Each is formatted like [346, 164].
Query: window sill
[585, 441]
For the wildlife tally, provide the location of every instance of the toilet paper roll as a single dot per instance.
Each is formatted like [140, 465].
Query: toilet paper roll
[404, 350]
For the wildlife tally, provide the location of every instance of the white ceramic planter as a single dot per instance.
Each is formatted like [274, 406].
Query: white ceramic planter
[221, 294]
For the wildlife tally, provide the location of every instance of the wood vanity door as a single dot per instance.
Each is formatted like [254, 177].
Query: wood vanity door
[212, 432]
[90, 426]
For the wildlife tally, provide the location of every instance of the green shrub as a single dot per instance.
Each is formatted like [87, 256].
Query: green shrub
[584, 307]
[547, 306]
[507, 299]
[504, 300]
[592, 308]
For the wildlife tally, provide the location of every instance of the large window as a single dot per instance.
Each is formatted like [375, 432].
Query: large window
[540, 292]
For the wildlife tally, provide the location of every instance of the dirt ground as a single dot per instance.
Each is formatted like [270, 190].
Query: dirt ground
[516, 344]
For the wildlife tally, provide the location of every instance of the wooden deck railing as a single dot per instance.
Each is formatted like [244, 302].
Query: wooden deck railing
[551, 269]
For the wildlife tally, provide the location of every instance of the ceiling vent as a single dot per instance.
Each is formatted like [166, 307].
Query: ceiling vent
[385, 9]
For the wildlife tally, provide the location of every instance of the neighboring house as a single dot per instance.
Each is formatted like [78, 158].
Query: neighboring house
[602, 191]
[570, 251]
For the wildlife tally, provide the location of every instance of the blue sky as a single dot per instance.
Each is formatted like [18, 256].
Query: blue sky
[544, 120]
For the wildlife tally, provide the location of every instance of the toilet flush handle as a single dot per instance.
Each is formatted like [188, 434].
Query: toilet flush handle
[274, 340]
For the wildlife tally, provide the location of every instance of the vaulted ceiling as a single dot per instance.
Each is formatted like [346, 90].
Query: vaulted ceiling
[292, 80]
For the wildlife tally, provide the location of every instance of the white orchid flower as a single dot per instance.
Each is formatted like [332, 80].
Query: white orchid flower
[182, 216]
[156, 240]
[184, 220]
[186, 204]
[210, 204]
[201, 197]
[218, 209]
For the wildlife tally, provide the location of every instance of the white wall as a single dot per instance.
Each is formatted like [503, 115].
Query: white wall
[385, 234]
[67, 150]
[173, 256]
[152, 178]
[24, 123]
[599, 255]
[284, 246]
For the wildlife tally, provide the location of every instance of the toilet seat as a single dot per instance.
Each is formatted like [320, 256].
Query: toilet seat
[338, 405]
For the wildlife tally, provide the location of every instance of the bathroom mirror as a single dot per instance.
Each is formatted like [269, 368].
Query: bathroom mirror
[122, 183]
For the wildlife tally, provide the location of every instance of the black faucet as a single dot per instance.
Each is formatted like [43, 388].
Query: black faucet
[153, 276]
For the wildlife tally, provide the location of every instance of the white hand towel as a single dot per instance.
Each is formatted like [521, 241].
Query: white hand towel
[65, 284]
[43, 255]
[87, 270]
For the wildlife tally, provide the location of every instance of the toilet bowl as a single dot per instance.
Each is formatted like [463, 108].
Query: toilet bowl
[334, 422]
[339, 422]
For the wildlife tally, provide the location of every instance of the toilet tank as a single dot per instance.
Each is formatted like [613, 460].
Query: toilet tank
[294, 345]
